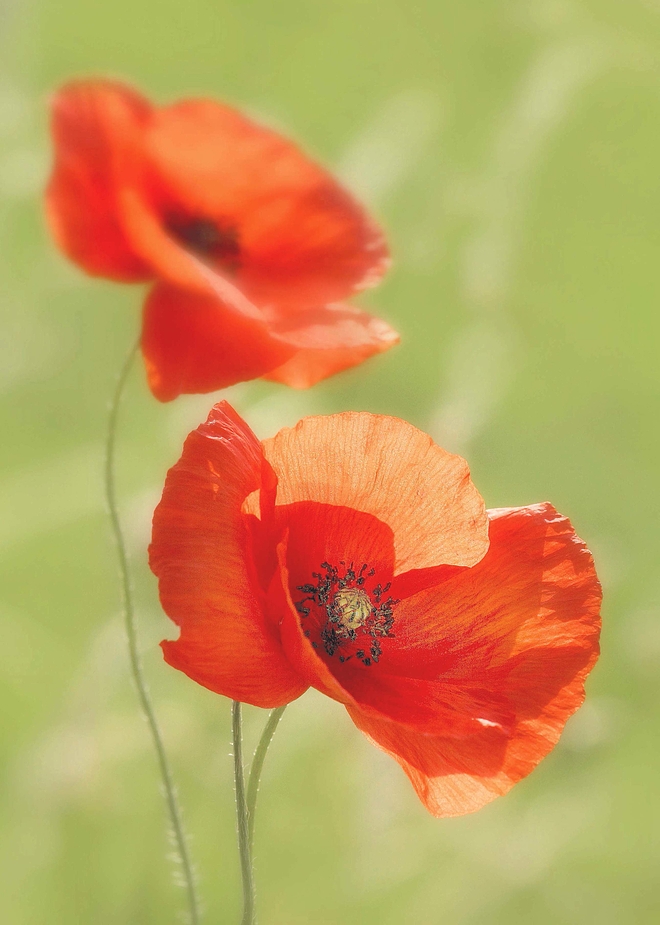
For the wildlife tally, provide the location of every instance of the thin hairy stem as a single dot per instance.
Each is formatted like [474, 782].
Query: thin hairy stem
[242, 817]
[257, 766]
[134, 655]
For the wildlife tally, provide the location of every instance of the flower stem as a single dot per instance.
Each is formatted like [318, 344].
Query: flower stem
[257, 765]
[133, 651]
[242, 818]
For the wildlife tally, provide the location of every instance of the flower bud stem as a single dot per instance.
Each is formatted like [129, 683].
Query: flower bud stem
[257, 765]
[246, 802]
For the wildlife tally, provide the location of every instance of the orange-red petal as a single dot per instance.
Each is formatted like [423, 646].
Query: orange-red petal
[536, 585]
[200, 553]
[328, 341]
[303, 239]
[512, 640]
[95, 127]
[196, 343]
[385, 467]
[451, 776]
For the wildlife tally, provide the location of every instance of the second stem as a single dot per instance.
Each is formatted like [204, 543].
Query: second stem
[242, 817]
[246, 802]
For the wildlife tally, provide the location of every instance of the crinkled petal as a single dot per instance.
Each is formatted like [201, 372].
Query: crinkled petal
[451, 776]
[208, 586]
[456, 775]
[95, 127]
[428, 706]
[512, 639]
[535, 587]
[385, 467]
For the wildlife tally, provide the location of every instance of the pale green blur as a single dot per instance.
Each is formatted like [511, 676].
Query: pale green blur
[511, 149]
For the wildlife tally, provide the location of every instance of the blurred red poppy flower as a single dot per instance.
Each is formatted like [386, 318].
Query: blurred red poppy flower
[251, 246]
[352, 554]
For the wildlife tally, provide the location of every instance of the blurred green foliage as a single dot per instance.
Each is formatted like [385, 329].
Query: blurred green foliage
[510, 147]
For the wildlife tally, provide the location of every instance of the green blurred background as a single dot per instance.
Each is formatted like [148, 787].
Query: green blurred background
[511, 150]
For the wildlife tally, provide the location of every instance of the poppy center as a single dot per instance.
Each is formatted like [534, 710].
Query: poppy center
[352, 606]
[215, 241]
[347, 615]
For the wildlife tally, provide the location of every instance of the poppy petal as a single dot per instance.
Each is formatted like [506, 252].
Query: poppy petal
[329, 340]
[427, 706]
[200, 553]
[198, 343]
[456, 775]
[451, 776]
[385, 467]
[94, 124]
[321, 533]
[514, 637]
[302, 238]
[536, 586]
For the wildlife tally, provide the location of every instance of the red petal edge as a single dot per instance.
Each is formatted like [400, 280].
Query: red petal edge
[200, 553]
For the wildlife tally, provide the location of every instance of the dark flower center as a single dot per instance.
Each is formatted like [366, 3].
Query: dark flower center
[351, 620]
[215, 241]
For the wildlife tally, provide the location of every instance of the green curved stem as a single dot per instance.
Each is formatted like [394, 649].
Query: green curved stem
[247, 873]
[133, 651]
[257, 766]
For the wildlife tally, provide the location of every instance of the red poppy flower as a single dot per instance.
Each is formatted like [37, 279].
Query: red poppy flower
[352, 554]
[252, 247]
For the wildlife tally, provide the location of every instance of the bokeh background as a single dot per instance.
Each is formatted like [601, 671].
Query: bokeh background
[510, 147]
